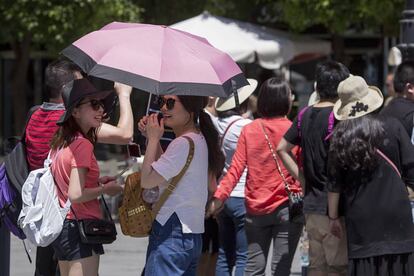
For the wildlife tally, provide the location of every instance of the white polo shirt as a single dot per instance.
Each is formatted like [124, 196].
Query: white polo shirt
[189, 198]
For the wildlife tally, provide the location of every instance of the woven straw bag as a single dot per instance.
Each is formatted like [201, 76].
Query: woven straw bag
[135, 215]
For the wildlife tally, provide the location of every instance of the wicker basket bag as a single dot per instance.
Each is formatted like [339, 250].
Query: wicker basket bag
[135, 215]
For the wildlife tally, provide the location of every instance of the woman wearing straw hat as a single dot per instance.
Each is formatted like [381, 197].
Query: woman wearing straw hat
[232, 235]
[267, 213]
[371, 160]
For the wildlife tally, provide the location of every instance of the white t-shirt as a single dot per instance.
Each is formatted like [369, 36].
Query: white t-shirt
[230, 144]
[189, 198]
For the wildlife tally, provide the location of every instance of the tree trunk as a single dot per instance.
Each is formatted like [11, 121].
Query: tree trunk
[19, 82]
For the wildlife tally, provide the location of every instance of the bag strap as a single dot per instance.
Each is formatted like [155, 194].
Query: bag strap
[171, 187]
[29, 116]
[287, 186]
[389, 162]
[331, 125]
[225, 132]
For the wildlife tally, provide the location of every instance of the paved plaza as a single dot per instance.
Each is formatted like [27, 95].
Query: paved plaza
[125, 257]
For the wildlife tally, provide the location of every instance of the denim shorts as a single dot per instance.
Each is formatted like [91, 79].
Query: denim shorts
[170, 251]
[69, 247]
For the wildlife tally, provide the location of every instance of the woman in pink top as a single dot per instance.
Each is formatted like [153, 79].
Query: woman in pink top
[266, 200]
[76, 174]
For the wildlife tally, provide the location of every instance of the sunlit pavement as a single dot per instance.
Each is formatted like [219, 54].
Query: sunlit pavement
[125, 257]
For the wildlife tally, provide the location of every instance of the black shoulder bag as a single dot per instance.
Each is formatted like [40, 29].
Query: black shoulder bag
[96, 231]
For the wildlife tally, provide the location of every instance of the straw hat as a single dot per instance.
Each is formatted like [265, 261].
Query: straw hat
[356, 99]
[224, 104]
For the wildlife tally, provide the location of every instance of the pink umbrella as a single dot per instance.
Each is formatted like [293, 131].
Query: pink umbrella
[156, 59]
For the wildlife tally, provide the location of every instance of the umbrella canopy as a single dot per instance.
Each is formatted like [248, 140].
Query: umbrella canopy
[156, 59]
[246, 42]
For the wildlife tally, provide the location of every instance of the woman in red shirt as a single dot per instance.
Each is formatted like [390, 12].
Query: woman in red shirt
[266, 200]
[76, 174]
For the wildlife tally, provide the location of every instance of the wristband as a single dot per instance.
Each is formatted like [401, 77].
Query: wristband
[330, 218]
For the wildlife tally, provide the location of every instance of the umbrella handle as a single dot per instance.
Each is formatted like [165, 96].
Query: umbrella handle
[236, 95]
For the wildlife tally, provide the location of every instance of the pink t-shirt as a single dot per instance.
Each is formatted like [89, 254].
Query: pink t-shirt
[79, 154]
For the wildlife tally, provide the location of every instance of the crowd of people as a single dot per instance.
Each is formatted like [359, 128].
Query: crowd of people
[350, 158]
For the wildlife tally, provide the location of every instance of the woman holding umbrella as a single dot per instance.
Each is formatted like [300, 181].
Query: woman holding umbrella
[175, 240]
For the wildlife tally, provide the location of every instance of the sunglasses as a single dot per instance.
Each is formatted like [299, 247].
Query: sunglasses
[169, 103]
[95, 104]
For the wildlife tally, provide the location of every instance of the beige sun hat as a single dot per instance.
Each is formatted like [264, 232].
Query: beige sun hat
[224, 104]
[356, 98]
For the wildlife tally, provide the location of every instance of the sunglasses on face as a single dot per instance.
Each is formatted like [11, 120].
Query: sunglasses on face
[95, 104]
[169, 103]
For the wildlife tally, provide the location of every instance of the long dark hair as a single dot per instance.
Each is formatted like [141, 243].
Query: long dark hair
[353, 145]
[195, 105]
[68, 132]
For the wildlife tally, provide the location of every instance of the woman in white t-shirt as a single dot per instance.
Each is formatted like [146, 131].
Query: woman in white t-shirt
[175, 240]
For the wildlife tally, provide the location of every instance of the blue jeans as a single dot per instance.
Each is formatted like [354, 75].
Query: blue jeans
[232, 237]
[170, 251]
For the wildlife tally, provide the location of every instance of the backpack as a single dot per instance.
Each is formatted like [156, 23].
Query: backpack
[331, 125]
[13, 173]
[9, 204]
[41, 217]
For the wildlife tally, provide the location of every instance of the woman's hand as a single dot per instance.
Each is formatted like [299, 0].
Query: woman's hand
[336, 227]
[154, 129]
[214, 207]
[142, 125]
[122, 89]
[112, 188]
[106, 179]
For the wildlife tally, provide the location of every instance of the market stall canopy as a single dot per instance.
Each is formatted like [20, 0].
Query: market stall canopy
[248, 43]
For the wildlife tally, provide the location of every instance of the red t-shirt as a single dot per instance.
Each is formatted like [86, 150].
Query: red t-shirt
[79, 154]
[39, 131]
[264, 189]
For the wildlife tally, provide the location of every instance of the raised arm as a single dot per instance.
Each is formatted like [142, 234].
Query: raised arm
[121, 133]
[154, 131]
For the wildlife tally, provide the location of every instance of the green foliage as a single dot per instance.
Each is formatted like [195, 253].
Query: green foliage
[55, 23]
[339, 15]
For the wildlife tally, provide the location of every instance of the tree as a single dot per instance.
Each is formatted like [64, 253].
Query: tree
[29, 25]
[338, 16]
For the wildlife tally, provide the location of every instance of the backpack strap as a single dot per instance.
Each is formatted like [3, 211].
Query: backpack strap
[48, 163]
[389, 162]
[171, 187]
[331, 125]
[29, 116]
[227, 129]
[299, 122]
